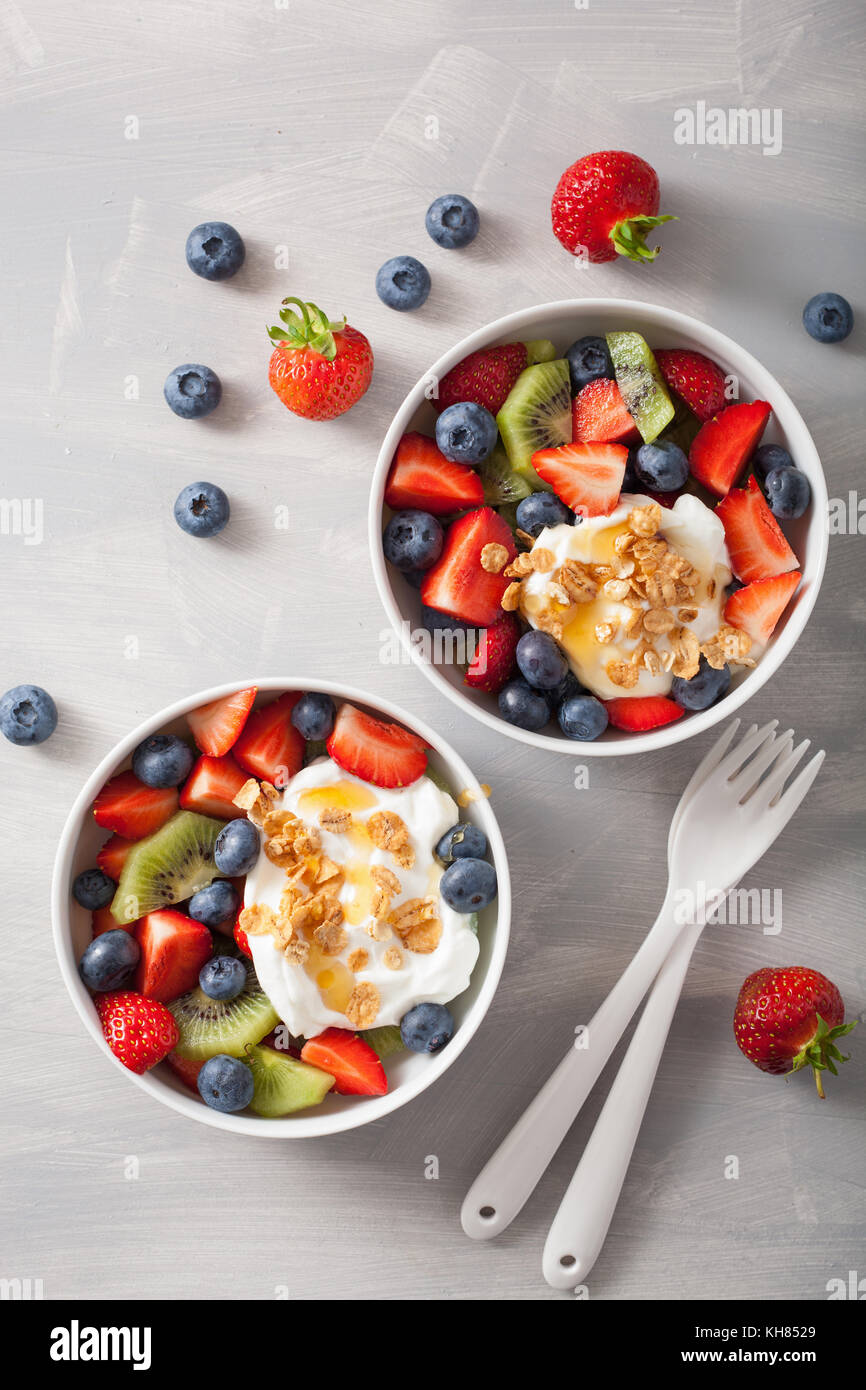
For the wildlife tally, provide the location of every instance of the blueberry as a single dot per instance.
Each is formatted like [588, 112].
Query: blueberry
[467, 885]
[704, 689]
[314, 715]
[568, 687]
[631, 481]
[225, 1083]
[403, 283]
[201, 509]
[662, 466]
[788, 492]
[462, 841]
[413, 540]
[452, 221]
[163, 760]
[222, 977]
[27, 714]
[582, 717]
[588, 359]
[93, 889]
[768, 457]
[434, 621]
[541, 509]
[109, 960]
[215, 251]
[415, 578]
[215, 903]
[466, 433]
[828, 317]
[237, 848]
[522, 706]
[192, 391]
[427, 1027]
[540, 661]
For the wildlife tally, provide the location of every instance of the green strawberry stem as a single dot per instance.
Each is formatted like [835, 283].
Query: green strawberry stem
[311, 329]
[822, 1054]
[629, 236]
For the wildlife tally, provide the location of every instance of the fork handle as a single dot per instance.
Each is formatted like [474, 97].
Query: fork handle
[512, 1173]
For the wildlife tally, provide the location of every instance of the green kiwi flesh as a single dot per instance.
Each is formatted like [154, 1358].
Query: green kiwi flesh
[536, 415]
[283, 1084]
[167, 867]
[642, 385]
[210, 1026]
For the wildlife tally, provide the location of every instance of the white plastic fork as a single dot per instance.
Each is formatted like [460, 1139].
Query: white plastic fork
[723, 835]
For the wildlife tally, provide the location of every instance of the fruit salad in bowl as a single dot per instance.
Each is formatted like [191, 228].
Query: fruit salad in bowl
[598, 522]
[282, 907]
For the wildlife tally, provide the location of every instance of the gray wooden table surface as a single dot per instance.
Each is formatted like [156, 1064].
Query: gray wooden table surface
[322, 131]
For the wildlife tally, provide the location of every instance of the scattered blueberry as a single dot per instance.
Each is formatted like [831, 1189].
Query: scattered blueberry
[222, 977]
[163, 760]
[452, 221]
[788, 492]
[467, 885]
[588, 359]
[427, 1027]
[466, 433]
[201, 509]
[582, 717]
[225, 1083]
[27, 714]
[216, 902]
[661, 466]
[413, 540]
[828, 318]
[568, 687]
[93, 889]
[403, 283]
[109, 960]
[540, 660]
[314, 715]
[434, 621]
[462, 841]
[237, 848]
[541, 509]
[770, 456]
[192, 391]
[215, 251]
[522, 706]
[704, 689]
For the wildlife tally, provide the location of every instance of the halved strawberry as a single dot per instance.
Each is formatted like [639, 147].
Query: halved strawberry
[103, 921]
[112, 857]
[215, 727]
[211, 787]
[493, 661]
[173, 950]
[131, 809]
[458, 584]
[355, 1067]
[385, 754]
[599, 414]
[755, 540]
[186, 1068]
[270, 746]
[587, 477]
[695, 378]
[242, 941]
[722, 447]
[422, 477]
[758, 606]
[638, 713]
[485, 377]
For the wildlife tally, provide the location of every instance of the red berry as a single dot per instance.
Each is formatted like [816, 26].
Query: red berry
[355, 1067]
[422, 477]
[385, 754]
[139, 1031]
[587, 477]
[493, 661]
[212, 786]
[215, 727]
[639, 713]
[790, 1017]
[695, 378]
[755, 540]
[758, 606]
[131, 809]
[318, 369]
[458, 584]
[270, 747]
[485, 377]
[723, 445]
[605, 204]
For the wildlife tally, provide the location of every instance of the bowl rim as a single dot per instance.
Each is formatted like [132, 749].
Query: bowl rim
[303, 1125]
[713, 341]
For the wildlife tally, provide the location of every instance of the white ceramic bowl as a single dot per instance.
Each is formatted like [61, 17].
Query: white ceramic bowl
[563, 323]
[408, 1073]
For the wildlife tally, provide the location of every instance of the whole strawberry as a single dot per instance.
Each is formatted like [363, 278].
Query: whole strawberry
[139, 1031]
[319, 369]
[695, 378]
[604, 206]
[788, 1018]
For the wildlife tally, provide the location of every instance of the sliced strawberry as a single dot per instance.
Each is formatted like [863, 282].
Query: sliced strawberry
[758, 606]
[695, 378]
[270, 746]
[103, 921]
[422, 477]
[458, 584]
[756, 542]
[215, 727]
[493, 661]
[173, 950]
[131, 809]
[638, 713]
[587, 477]
[186, 1068]
[385, 754]
[599, 414]
[355, 1067]
[485, 377]
[211, 787]
[241, 939]
[112, 857]
[722, 447]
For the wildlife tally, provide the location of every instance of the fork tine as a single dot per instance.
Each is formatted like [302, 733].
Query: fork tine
[713, 757]
[746, 782]
[791, 798]
[733, 761]
[774, 782]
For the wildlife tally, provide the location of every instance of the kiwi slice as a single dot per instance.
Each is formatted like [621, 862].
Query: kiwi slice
[437, 779]
[539, 350]
[167, 867]
[283, 1084]
[536, 415]
[500, 482]
[208, 1026]
[384, 1041]
[643, 387]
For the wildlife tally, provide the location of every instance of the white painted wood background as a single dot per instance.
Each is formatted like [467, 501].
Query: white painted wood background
[305, 125]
